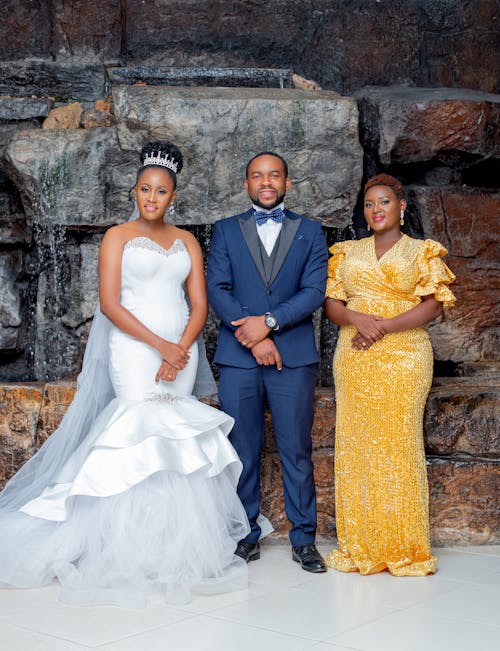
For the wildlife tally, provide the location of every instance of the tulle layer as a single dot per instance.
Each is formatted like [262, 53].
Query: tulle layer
[147, 502]
[171, 532]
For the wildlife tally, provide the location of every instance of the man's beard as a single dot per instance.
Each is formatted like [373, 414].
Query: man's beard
[276, 202]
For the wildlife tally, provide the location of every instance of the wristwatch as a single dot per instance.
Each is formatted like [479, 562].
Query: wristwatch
[271, 321]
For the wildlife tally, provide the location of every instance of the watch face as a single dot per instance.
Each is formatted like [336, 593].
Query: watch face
[270, 321]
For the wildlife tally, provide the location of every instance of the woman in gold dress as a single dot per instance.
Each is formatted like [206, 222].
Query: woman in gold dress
[382, 290]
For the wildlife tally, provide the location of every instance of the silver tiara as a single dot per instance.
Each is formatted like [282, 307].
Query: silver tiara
[152, 159]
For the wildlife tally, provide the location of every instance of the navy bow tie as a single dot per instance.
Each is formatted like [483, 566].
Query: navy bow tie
[277, 215]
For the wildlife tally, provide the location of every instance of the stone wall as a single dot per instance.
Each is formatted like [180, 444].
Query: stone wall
[462, 440]
[61, 188]
[343, 44]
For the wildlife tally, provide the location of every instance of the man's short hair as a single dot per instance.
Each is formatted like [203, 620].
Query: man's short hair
[267, 153]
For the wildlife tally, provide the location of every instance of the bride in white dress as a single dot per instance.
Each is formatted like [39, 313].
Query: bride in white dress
[136, 491]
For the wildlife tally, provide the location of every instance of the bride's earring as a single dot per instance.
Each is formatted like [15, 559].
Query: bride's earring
[402, 217]
[169, 216]
[368, 227]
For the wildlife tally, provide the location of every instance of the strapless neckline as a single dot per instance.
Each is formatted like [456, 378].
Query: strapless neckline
[144, 242]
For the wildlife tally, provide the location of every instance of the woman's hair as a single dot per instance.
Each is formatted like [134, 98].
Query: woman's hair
[385, 179]
[161, 154]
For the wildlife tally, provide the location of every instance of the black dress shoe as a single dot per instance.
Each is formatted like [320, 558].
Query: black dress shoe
[309, 558]
[248, 551]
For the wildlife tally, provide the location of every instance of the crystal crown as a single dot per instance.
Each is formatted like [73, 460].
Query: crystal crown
[158, 159]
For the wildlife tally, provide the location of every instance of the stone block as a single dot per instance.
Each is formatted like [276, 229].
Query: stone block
[13, 227]
[19, 412]
[342, 45]
[87, 30]
[461, 417]
[469, 331]
[10, 129]
[463, 488]
[11, 288]
[62, 81]
[219, 33]
[459, 44]
[219, 129]
[201, 76]
[24, 108]
[473, 224]
[57, 397]
[66, 297]
[323, 429]
[64, 176]
[407, 125]
[64, 117]
[464, 507]
[351, 46]
[25, 29]
[93, 118]
[465, 221]
[82, 293]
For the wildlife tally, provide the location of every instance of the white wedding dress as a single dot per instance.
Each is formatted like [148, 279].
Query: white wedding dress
[147, 500]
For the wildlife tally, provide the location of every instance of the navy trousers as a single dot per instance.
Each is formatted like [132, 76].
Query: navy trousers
[289, 394]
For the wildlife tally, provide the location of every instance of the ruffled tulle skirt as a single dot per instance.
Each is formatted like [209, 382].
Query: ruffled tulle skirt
[147, 502]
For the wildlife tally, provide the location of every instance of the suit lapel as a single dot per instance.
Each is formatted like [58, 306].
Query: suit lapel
[287, 235]
[249, 230]
[288, 231]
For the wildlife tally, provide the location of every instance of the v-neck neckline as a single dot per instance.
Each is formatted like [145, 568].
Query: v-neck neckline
[379, 260]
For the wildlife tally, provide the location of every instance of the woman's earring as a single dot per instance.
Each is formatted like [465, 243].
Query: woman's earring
[368, 227]
[402, 217]
[169, 216]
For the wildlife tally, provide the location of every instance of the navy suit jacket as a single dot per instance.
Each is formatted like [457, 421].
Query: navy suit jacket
[237, 286]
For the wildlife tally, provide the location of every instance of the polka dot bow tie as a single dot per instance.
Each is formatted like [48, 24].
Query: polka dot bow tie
[277, 215]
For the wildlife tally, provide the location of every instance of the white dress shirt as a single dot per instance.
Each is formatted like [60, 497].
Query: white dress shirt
[269, 231]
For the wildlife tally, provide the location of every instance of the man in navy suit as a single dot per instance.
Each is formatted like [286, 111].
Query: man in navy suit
[266, 276]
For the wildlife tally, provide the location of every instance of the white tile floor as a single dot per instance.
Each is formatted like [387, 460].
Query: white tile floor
[284, 609]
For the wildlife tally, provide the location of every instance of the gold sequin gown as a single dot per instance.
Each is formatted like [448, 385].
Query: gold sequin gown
[380, 475]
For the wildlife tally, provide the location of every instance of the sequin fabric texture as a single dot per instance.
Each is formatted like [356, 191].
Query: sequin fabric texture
[380, 474]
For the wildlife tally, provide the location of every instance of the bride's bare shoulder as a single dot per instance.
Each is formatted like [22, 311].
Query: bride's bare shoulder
[119, 234]
[188, 239]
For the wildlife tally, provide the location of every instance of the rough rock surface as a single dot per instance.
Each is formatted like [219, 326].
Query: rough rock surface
[405, 125]
[463, 488]
[11, 288]
[62, 81]
[56, 398]
[67, 177]
[161, 75]
[93, 118]
[20, 408]
[342, 45]
[16, 19]
[87, 30]
[314, 130]
[66, 297]
[463, 502]
[461, 417]
[465, 221]
[64, 117]
[24, 108]
[13, 228]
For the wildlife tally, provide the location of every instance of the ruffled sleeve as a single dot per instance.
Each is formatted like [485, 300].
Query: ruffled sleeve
[434, 276]
[334, 284]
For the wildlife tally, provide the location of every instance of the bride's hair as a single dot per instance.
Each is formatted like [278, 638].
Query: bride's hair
[162, 154]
